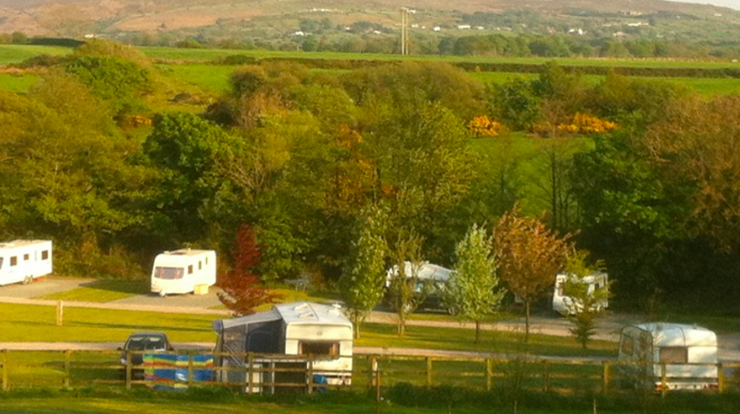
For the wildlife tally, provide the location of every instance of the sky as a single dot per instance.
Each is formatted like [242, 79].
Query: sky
[734, 4]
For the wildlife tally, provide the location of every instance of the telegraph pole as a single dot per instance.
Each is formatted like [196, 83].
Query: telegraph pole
[404, 31]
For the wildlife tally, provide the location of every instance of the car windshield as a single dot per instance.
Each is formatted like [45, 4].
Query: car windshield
[145, 343]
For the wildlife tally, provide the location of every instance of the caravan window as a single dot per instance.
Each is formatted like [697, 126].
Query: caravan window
[13, 261]
[318, 348]
[190, 269]
[200, 265]
[561, 288]
[45, 255]
[1, 262]
[674, 354]
[26, 257]
[168, 272]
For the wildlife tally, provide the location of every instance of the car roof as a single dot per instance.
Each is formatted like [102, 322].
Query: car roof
[144, 333]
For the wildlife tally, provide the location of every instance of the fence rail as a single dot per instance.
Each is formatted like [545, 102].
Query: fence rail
[261, 373]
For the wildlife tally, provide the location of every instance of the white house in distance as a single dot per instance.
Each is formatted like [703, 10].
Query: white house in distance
[184, 271]
[24, 261]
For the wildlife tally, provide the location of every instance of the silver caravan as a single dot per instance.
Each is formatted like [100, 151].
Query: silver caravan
[674, 356]
[184, 271]
[24, 261]
[564, 304]
[300, 329]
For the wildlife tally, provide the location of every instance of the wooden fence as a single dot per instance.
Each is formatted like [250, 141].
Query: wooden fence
[281, 373]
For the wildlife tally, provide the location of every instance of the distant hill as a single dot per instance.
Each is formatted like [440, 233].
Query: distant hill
[269, 18]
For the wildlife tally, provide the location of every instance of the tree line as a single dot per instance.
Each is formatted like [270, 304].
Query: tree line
[303, 156]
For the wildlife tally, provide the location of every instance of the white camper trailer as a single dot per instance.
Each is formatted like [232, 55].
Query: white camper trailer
[431, 281]
[24, 261]
[184, 271]
[563, 304]
[302, 330]
[685, 355]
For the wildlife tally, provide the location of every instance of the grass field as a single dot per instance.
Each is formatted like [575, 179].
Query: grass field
[37, 323]
[19, 53]
[441, 400]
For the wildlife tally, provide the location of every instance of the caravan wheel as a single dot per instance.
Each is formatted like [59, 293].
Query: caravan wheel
[162, 293]
[27, 280]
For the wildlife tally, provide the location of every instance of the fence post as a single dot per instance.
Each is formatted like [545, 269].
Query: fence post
[250, 372]
[128, 370]
[378, 385]
[4, 368]
[60, 313]
[663, 380]
[720, 378]
[67, 359]
[373, 366]
[190, 368]
[310, 375]
[605, 379]
[489, 374]
[429, 372]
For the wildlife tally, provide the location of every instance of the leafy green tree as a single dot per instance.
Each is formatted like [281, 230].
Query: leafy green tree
[119, 82]
[514, 103]
[66, 174]
[404, 88]
[585, 299]
[363, 281]
[628, 214]
[423, 168]
[192, 156]
[473, 288]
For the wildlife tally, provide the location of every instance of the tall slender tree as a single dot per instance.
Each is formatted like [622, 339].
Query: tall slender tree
[472, 290]
[362, 282]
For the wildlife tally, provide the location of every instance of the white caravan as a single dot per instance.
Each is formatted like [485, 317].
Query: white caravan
[300, 329]
[563, 304]
[687, 353]
[24, 261]
[184, 271]
[431, 282]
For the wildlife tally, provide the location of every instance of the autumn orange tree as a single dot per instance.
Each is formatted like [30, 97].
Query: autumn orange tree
[242, 292]
[529, 255]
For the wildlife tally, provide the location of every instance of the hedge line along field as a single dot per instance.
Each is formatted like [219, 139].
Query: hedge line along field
[211, 55]
[198, 67]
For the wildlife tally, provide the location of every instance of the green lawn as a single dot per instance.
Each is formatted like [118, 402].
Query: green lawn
[19, 53]
[116, 401]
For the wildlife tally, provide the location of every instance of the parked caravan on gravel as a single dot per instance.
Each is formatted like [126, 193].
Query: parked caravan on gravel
[430, 284]
[563, 304]
[24, 261]
[286, 338]
[674, 356]
[184, 271]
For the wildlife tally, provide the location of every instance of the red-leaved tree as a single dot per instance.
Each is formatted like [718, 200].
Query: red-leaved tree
[242, 291]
